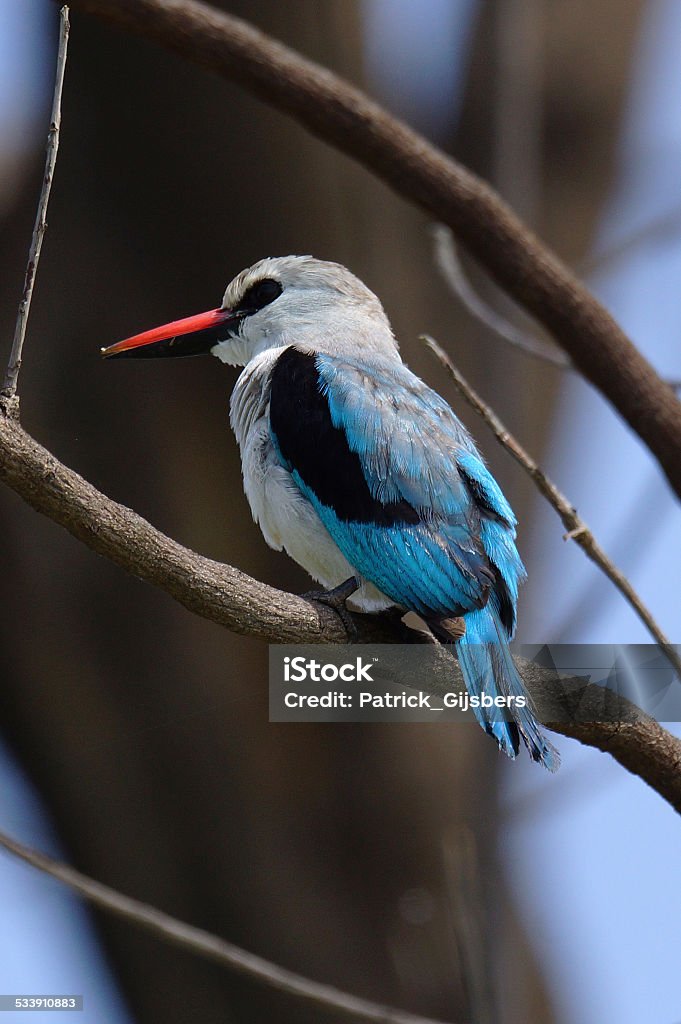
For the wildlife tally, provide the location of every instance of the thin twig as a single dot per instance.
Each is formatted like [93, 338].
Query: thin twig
[511, 254]
[449, 264]
[576, 528]
[9, 386]
[212, 947]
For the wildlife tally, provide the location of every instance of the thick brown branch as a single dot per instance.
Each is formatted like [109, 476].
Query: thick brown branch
[482, 223]
[623, 740]
[231, 598]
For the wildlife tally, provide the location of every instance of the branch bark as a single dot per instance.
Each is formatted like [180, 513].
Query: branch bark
[230, 598]
[343, 116]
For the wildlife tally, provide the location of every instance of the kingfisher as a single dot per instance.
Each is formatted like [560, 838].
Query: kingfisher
[361, 472]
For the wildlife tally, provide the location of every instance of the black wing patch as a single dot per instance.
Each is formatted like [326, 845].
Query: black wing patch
[504, 601]
[309, 443]
[485, 508]
[480, 497]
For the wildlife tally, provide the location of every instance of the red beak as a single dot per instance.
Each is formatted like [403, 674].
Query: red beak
[193, 336]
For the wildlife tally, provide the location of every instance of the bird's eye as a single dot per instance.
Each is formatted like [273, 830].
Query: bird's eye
[261, 294]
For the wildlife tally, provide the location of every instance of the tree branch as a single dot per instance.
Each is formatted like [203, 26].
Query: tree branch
[343, 116]
[9, 386]
[209, 946]
[230, 598]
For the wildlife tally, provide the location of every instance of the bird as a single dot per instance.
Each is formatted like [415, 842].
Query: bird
[362, 473]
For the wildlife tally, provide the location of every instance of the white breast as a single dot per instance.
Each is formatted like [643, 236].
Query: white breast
[287, 519]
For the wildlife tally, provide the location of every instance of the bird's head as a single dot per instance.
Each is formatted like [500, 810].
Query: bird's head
[278, 301]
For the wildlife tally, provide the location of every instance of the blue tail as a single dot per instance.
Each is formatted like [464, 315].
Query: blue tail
[488, 669]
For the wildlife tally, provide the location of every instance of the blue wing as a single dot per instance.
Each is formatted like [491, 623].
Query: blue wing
[402, 490]
[398, 483]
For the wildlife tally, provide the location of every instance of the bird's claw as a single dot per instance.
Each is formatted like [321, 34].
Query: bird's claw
[336, 598]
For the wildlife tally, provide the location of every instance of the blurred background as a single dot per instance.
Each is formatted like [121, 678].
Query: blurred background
[411, 864]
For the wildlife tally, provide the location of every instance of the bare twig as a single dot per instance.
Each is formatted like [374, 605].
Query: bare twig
[212, 947]
[226, 596]
[449, 264]
[9, 386]
[576, 528]
[343, 116]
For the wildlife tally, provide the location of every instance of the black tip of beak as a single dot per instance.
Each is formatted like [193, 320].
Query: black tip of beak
[198, 344]
[192, 336]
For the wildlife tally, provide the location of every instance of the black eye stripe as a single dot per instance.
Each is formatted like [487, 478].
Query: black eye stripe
[260, 294]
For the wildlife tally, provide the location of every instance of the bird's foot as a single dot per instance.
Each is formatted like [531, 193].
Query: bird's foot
[336, 598]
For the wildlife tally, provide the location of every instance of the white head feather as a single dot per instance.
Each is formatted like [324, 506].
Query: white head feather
[322, 307]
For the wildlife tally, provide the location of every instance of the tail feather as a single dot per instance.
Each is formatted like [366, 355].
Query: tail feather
[488, 668]
[480, 675]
